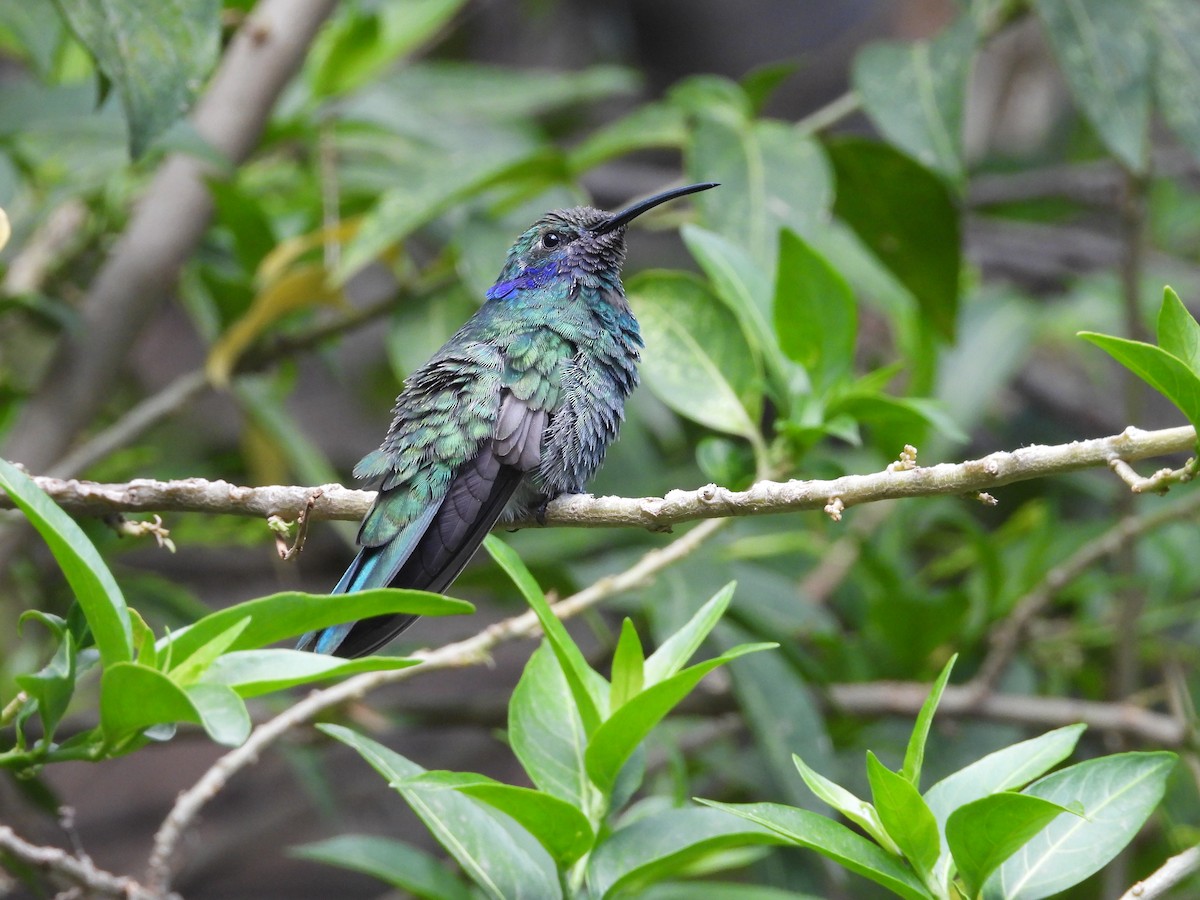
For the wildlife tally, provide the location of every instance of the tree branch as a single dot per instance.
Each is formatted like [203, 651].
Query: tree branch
[78, 871]
[1169, 874]
[165, 228]
[655, 513]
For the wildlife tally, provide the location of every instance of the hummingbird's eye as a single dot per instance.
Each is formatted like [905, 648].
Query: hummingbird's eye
[551, 239]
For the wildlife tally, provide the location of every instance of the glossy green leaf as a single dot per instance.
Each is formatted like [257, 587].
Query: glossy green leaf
[254, 672]
[674, 653]
[697, 358]
[1178, 331]
[502, 858]
[1167, 374]
[628, 666]
[401, 865]
[1009, 768]
[896, 421]
[907, 218]
[914, 756]
[834, 841]
[546, 732]
[611, 745]
[93, 585]
[1177, 67]
[858, 811]
[1117, 794]
[156, 55]
[583, 680]
[984, 833]
[222, 712]
[291, 613]
[905, 816]
[1105, 51]
[133, 698]
[663, 844]
[772, 176]
[558, 825]
[816, 320]
[915, 92]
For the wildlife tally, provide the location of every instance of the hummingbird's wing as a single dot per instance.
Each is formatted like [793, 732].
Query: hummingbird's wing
[460, 445]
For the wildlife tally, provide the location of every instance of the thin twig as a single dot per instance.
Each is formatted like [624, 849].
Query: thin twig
[472, 651]
[1169, 874]
[80, 872]
[654, 513]
[1006, 636]
[904, 698]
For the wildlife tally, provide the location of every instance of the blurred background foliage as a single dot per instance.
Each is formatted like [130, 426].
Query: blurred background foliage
[921, 204]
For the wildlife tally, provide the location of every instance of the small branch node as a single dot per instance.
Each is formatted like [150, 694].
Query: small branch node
[907, 460]
[134, 528]
[986, 499]
[834, 508]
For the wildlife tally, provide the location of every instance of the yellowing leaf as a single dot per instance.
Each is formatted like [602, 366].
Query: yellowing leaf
[275, 263]
[303, 287]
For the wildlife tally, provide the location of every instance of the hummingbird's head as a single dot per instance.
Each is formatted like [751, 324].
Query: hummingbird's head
[585, 243]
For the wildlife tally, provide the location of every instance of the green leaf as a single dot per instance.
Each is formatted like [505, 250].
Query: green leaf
[133, 698]
[546, 732]
[359, 44]
[1009, 768]
[914, 92]
[697, 358]
[1167, 374]
[905, 816]
[676, 650]
[1117, 793]
[581, 677]
[291, 613]
[254, 672]
[499, 856]
[652, 126]
[1177, 69]
[400, 865]
[619, 735]
[156, 55]
[772, 176]
[1104, 50]
[628, 667]
[53, 685]
[660, 845]
[428, 188]
[89, 578]
[222, 712]
[914, 756]
[739, 281]
[908, 219]
[558, 825]
[834, 841]
[189, 670]
[986, 832]
[858, 811]
[1178, 331]
[815, 316]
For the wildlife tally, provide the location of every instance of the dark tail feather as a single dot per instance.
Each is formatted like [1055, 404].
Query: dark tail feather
[473, 503]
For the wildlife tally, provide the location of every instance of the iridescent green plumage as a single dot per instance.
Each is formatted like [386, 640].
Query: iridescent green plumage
[518, 407]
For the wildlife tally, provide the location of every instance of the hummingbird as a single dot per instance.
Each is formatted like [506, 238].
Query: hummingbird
[518, 407]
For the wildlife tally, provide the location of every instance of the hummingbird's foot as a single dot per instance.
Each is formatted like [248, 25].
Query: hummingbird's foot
[539, 511]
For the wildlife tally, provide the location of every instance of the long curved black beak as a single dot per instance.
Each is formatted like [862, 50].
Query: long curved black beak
[627, 215]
